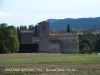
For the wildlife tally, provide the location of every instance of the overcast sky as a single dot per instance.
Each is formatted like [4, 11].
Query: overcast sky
[26, 12]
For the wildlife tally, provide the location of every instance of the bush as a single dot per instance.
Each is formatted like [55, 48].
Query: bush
[84, 51]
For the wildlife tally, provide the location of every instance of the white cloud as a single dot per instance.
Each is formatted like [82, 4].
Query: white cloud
[34, 18]
[90, 3]
[56, 5]
[2, 14]
[40, 16]
[39, 10]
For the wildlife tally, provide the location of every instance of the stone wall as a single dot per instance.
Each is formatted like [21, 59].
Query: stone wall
[68, 46]
[26, 38]
[35, 40]
[44, 37]
[55, 48]
[62, 34]
[44, 45]
[51, 42]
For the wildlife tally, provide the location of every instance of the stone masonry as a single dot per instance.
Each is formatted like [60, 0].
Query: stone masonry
[65, 43]
[43, 28]
[55, 42]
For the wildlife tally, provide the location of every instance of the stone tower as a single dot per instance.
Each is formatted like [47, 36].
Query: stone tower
[26, 36]
[43, 37]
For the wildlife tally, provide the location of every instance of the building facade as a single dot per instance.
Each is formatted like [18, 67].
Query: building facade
[51, 42]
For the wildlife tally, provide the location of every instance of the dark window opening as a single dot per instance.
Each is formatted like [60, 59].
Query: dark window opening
[43, 27]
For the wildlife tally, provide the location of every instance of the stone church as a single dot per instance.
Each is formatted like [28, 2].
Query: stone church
[51, 42]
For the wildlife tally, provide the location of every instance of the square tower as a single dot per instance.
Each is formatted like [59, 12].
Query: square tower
[43, 37]
[26, 36]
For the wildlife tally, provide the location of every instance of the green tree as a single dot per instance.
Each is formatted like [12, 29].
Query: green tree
[1, 42]
[31, 27]
[97, 46]
[85, 46]
[13, 39]
[87, 41]
[18, 34]
[8, 39]
[68, 28]
[36, 30]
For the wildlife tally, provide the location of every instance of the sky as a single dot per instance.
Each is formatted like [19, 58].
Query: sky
[27, 12]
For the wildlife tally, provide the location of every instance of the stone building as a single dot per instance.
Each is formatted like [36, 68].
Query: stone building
[51, 42]
[26, 36]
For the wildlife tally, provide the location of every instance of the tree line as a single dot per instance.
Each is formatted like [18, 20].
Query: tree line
[89, 42]
[10, 39]
[9, 42]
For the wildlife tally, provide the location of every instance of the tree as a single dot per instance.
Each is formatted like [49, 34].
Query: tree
[8, 39]
[68, 28]
[21, 27]
[87, 41]
[36, 30]
[1, 42]
[13, 39]
[97, 46]
[25, 27]
[18, 34]
[31, 27]
[85, 46]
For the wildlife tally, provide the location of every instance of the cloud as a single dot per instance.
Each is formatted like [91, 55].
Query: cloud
[33, 12]
[56, 5]
[90, 3]
[2, 14]
[34, 18]
[69, 4]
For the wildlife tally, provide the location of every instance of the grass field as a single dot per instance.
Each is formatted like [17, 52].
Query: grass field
[49, 64]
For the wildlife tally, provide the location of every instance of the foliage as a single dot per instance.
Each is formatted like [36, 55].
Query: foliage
[30, 27]
[18, 34]
[8, 39]
[68, 28]
[36, 30]
[97, 46]
[87, 41]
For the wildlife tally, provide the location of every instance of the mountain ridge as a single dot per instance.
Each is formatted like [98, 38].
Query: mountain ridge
[74, 23]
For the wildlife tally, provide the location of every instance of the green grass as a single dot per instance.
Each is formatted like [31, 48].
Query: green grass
[62, 64]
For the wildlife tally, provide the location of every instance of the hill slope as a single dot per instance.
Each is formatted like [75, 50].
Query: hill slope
[74, 23]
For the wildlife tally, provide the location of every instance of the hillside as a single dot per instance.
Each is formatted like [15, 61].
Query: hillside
[74, 23]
